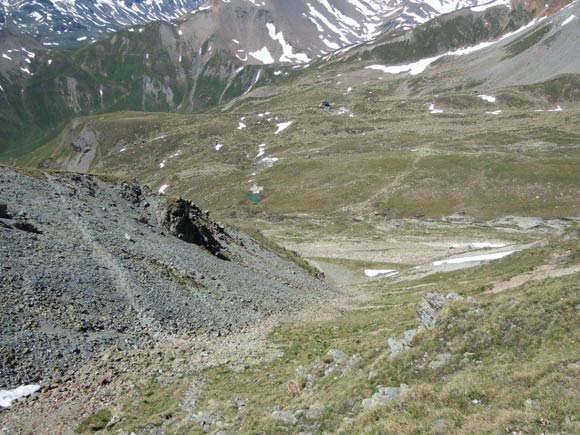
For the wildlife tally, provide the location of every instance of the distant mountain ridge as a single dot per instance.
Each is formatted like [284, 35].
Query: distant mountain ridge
[219, 51]
[61, 21]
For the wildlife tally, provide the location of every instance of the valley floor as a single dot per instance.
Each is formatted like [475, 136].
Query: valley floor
[447, 344]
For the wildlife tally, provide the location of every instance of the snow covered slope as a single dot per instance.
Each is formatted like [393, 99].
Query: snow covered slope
[298, 31]
[70, 20]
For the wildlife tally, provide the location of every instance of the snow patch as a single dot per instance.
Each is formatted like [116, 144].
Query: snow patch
[9, 396]
[478, 245]
[433, 110]
[385, 273]
[163, 188]
[288, 54]
[568, 20]
[488, 98]
[263, 55]
[283, 126]
[473, 259]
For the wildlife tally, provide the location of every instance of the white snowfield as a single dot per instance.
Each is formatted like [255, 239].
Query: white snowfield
[385, 273]
[474, 258]
[9, 396]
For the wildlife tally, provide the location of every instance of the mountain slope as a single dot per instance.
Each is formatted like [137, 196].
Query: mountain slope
[208, 57]
[386, 144]
[538, 52]
[87, 265]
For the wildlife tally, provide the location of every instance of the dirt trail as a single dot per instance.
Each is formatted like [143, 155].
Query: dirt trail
[541, 273]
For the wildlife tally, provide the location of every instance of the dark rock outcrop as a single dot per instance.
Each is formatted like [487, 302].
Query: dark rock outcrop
[188, 222]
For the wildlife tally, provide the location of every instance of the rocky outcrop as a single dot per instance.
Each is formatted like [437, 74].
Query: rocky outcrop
[189, 223]
[428, 310]
[431, 306]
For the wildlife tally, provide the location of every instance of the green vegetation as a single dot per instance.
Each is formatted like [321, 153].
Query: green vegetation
[95, 422]
[153, 405]
[512, 361]
[524, 42]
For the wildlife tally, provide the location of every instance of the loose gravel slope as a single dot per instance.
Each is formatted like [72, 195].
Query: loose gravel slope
[86, 264]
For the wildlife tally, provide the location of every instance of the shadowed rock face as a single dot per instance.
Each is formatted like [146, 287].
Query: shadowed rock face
[85, 265]
[188, 222]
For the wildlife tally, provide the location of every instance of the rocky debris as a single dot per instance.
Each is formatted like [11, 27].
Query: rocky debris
[335, 362]
[431, 306]
[384, 395]
[459, 218]
[285, 417]
[440, 423]
[188, 222]
[440, 360]
[135, 194]
[325, 105]
[76, 286]
[208, 420]
[314, 413]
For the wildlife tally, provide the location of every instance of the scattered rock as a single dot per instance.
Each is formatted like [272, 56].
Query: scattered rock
[284, 417]
[384, 395]
[440, 423]
[373, 374]
[338, 356]
[440, 360]
[207, 419]
[531, 404]
[335, 362]
[314, 413]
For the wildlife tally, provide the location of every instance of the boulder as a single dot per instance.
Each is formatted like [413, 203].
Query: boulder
[285, 417]
[440, 360]
[384, 395]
